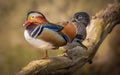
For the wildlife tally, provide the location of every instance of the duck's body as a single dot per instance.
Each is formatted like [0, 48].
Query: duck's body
[39, 43]
[46, 38]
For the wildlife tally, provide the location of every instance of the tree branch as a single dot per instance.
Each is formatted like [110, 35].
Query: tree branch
[101, 24]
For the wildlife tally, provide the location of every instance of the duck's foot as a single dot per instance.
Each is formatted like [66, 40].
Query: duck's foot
[46, 55]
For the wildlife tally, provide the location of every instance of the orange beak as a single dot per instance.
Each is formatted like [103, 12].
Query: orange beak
[26, 23]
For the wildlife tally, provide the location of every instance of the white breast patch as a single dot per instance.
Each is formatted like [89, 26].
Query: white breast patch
[38, 42]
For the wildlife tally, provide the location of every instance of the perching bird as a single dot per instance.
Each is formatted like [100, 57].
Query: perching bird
[81, 20]
[45, 35]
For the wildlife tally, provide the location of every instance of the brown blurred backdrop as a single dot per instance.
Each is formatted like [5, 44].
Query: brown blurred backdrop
[15, 52]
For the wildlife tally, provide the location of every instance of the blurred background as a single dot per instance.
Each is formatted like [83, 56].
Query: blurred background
[15, 52]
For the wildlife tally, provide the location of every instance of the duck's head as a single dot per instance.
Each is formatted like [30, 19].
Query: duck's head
[81, 17]
[35, 18]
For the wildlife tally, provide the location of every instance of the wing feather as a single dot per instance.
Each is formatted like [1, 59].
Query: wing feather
[70, 31]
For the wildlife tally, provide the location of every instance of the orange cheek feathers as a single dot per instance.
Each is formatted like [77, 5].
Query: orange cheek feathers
[37, 20]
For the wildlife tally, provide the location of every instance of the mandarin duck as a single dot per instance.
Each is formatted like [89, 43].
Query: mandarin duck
[81, 20]
[45, 35]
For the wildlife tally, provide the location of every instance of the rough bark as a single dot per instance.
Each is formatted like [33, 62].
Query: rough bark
[101, 25]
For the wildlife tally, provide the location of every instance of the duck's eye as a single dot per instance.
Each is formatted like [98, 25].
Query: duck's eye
[33, 17]
[80, 17]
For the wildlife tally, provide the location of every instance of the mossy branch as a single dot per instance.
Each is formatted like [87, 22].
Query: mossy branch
[101, 25]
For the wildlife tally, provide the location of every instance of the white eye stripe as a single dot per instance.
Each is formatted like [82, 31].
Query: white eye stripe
[36, 14]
